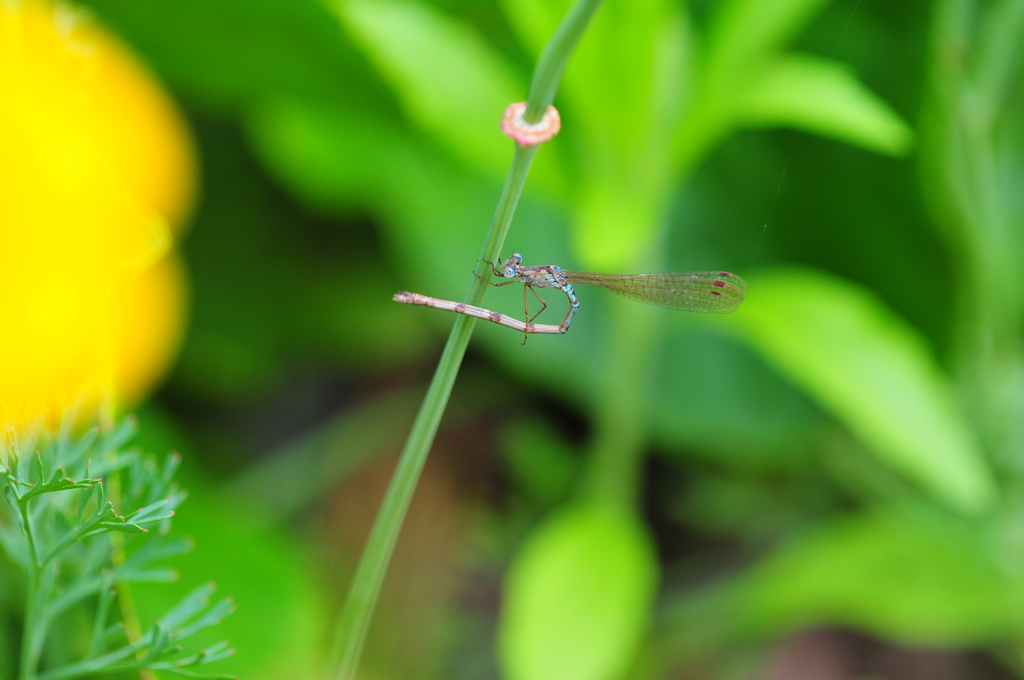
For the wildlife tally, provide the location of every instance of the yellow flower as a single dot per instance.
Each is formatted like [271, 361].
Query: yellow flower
[96, 172]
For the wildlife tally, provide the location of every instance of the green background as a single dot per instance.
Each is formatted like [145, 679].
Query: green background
[834, 472]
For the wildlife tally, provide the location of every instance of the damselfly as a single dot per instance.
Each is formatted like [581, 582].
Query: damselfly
[710, 292]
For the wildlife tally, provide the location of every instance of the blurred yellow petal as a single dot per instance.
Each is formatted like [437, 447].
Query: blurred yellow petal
[96, 170]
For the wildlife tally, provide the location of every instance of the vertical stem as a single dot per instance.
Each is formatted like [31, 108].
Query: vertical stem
[125, 599]
[350, 634]
[351, 629]
[555, 57]
[26, 669]
[510, 194]
[614, 469]
[623, 404]
[33, 550]
[33, 602]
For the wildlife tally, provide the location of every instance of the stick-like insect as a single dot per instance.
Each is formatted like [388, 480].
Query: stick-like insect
[710, 292]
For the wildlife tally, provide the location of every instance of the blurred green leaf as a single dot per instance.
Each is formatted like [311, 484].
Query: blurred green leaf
[824, 97]
[449, 80]
[745, 30]
[746, 82]
[277, 629]
[753, 510]
[231, 53]
[874, 373]
[630, 66]
[633, 65]
[536, 20]
[615, 219]
[251, 243]
[717, 399]
[543, 464]
[578, 597]
[340, 160]
[335, 158]
[899, 573]
[999, 56]
[301, 473]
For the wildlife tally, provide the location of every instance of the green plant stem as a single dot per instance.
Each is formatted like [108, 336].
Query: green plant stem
[26, 666]
[33, 601]
[350, 631]
[614, 465]
[551, 65]
[351, 627]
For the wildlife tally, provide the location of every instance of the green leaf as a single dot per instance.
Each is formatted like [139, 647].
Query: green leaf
[266, 572]
[155, 575]
[212, 617]
[578, 597]
[823, 96]
[904, 575]
[744, 30]
[448, 79]
[428, 208]
[540, 462]
[238, 52]
[874, 373]
[334, 158]
[124, 527]
[534, 21]
[190, 605]
[716, 399]
[630, 66]
[120, 435]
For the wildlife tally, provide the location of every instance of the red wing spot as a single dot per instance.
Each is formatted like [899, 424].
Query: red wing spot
[715, 292]
[724, 274]
[719, 284]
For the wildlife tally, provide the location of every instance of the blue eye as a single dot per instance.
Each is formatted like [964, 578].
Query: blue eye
[509, 273]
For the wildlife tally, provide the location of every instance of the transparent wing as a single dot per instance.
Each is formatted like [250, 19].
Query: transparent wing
[711, 292]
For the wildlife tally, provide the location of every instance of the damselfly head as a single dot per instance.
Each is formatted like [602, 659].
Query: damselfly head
[509, 266]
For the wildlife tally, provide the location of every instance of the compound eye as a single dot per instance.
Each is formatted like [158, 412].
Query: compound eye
[509, 272]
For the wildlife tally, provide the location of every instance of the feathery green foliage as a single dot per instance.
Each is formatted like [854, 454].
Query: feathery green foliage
[86, 517]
